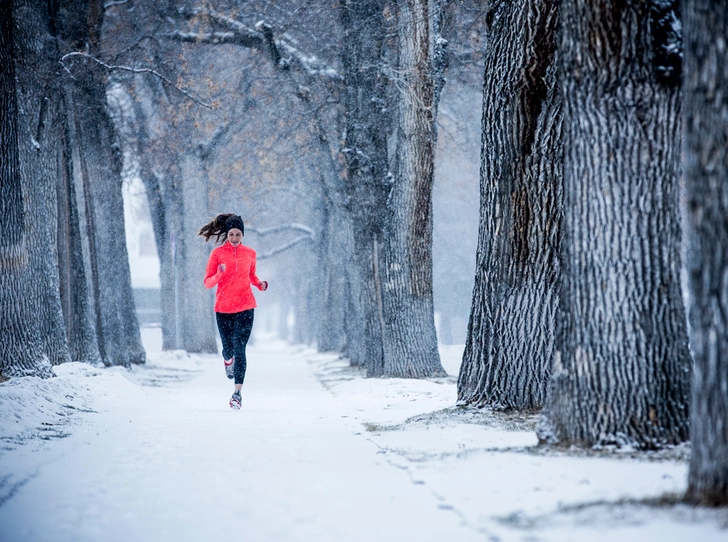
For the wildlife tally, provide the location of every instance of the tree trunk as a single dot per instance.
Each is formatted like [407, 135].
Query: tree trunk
[410, 339]
[74, 262]
[99, 162]
[196, 302]
[356, 348]
[331, 331]
[510, 342]
[22, 220]
[622, 366]
[369, 121]
[706, 178]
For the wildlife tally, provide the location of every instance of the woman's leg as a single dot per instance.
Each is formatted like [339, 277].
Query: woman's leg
[243, 327]
[226, 327]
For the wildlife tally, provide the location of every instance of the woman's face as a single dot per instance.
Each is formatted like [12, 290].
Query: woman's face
[235, 236]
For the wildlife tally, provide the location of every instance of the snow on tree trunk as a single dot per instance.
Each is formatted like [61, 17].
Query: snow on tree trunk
[369, 120]
[24, 221]
[622, 367]
[510, 342]
[410, 340]
[706, 178]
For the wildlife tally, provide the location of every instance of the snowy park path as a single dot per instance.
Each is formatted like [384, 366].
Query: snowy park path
[318, 453]
[175, 463]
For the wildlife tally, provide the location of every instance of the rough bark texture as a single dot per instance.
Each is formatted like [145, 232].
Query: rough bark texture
[368, 122]
[510, 343]
[622, 367]
[69, 294]
[22, 349]
[706, 178]
[410, 339]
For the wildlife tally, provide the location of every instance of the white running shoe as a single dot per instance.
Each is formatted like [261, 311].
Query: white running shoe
[230, 367]
[236, 401]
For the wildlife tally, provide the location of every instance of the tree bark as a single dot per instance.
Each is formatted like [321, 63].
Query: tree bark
[369, 121]
[74, 262]
[98, 168]
[196, 302]
[510, 343]
[706, 178]
[410, 339]
[622, 366]
[22, 217]
[331, 331]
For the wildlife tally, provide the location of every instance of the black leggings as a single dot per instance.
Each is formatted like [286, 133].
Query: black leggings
[235, 331]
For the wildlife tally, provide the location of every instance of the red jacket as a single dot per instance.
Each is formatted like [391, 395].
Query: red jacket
[233, 285]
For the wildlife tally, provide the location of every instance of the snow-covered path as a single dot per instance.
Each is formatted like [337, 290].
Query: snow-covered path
[318, 453]
[175, 463]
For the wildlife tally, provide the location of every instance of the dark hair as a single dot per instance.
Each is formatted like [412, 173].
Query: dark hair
[219, 226]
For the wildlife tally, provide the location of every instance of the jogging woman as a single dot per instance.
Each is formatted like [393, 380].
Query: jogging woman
[231, 268]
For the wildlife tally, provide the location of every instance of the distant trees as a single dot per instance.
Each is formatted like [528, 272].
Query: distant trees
[706, 179]
[391, 282]
[65, 286]
[510, 342]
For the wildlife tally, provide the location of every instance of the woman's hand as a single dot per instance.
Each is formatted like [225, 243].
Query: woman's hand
[263, 285]
[221, 268]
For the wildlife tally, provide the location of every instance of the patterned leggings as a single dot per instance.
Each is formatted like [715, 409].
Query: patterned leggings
[235, 331]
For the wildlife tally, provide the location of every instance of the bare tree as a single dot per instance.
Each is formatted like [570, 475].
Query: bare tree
[706, 178]
[622, 367]
[510, 343]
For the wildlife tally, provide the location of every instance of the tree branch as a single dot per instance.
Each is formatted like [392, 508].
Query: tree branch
[112, 67]
[284, 247]
[115, 3]
[283, 227]
[283, 50]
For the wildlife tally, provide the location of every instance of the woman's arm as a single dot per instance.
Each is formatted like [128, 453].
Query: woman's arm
[214, 271]
[262, 285]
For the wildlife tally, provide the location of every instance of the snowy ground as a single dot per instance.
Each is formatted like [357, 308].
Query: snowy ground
[318, 453]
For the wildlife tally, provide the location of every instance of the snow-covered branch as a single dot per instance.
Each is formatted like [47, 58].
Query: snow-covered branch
[308, 235]
[285, 246]
[284, 50]
[115, 3]
[113, 67]
[283, 227]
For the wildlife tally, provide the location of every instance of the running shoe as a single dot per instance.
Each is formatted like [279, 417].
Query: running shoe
[236, 401]
[229, 367]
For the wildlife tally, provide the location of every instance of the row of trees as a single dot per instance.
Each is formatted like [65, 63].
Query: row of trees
[577, 305]
[65, 292]
[577, 302]
[362, 135]
[361, 105]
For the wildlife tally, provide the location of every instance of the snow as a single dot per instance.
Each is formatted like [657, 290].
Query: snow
[317, 453]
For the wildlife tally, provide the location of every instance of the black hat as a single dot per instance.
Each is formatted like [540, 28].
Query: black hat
[234, 222]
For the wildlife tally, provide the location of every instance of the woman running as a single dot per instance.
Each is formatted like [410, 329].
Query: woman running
[231, 268]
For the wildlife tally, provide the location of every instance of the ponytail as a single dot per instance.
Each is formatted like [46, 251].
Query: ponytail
[216, 227]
